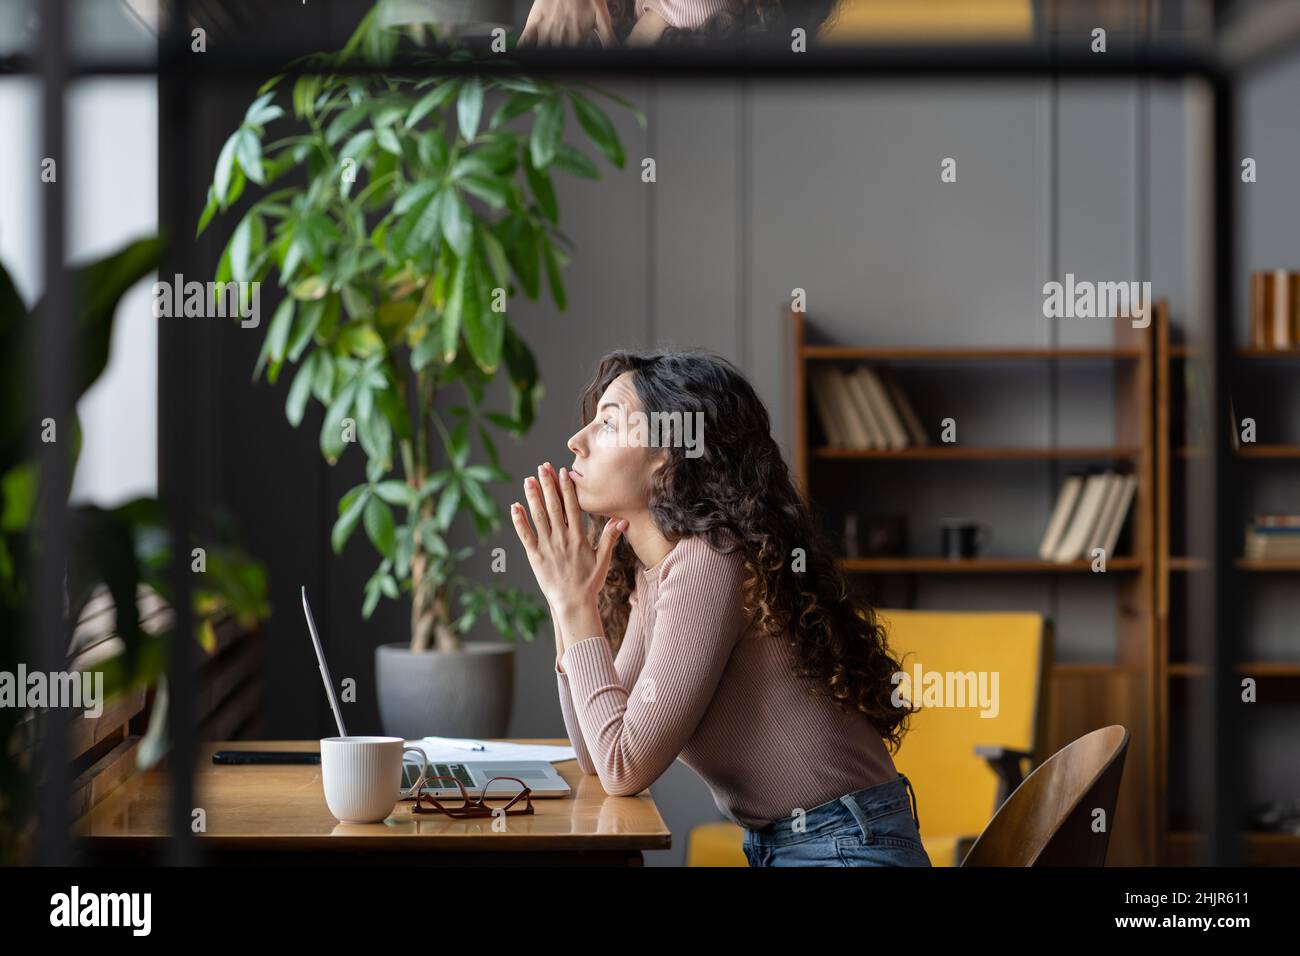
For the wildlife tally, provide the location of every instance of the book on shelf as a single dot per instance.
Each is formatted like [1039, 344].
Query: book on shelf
[1089, 513]
[1273, 537]
[825, 402]
[864, 409]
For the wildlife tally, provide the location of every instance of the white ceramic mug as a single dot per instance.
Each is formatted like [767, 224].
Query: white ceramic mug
[363, 776]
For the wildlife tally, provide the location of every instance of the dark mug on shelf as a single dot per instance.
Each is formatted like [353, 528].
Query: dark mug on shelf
[867, 536]
[961, 538]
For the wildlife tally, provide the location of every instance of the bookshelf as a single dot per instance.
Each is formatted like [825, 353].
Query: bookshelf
[1175, 570]
[1083, 696]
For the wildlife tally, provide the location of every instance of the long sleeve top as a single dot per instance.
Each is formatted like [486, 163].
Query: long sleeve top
[695, 679]
[687, 14]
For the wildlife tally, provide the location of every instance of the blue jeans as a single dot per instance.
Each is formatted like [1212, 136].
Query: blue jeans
[874, 826]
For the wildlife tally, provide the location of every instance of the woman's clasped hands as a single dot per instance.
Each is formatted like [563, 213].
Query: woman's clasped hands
[569, 571]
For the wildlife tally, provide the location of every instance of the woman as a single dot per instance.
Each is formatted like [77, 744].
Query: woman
[739, 646]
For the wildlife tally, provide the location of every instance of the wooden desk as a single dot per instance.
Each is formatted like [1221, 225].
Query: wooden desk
[277, 813]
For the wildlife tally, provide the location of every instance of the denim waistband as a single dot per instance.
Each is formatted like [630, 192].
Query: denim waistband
[860, 806]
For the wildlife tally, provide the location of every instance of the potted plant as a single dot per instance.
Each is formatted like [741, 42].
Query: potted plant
[119, 549]
[420, 217]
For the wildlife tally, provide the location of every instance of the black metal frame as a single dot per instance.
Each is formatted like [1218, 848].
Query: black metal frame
[177, 81]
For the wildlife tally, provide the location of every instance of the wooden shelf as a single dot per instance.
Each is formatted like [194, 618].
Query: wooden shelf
[1251, 564]
[937, 565]
[1187, 351]
[1183, 563]
[1252, 668]
[975, 453]
[924, 354]
[1252, 353]
[1248, 450]
[1180, 847]
[1251, 450]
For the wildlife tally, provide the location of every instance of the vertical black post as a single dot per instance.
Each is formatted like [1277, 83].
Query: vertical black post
[175, 432]
[1227, 741]
[48, 648]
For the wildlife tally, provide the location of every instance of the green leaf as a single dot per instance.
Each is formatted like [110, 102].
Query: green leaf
[322, 383]
[248, 149]
[247, 239]
[261, 112]
[360, 339]
[457, 222]
[305, 89]
[352, 507]
[489, 190]
[548, 129]
[539, 181]
[277, 337]
[549, 255]
[372, 598]
[225, 168]
[432, 100]
[454, 312]
[426, 350]
[300, 391]
[469, 107]
[419, 222]
[522, 248]
[597, 125]
[478, 499]
[208, 212]
[311, 288]
[345, 121]
[574, 161]
[331, 432]
[329, 322]
[388, 140]
[397, 493]
[516, 104]
[380, 527]
[308, 321]
[484, 328]
[496, 258]
[357, 146]
[447, 505]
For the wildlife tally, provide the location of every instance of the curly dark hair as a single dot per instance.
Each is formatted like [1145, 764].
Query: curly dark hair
[738, 495]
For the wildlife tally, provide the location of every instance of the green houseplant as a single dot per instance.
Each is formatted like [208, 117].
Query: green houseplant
[118, 548]
[426, 206]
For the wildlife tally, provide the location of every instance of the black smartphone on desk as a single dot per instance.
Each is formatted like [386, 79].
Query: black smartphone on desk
[265, 756]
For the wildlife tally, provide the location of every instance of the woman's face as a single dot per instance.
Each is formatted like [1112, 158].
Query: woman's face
[612, 464]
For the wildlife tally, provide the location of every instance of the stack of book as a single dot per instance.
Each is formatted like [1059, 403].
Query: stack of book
[1090, 512]
[1273, 538]
[864, 407]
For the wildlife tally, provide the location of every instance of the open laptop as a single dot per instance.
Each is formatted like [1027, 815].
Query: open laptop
[539, 775]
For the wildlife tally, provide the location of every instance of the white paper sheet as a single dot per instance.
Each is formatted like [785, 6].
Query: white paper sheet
[444, 749]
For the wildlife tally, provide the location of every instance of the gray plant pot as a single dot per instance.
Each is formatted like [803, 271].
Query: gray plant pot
[464, 693]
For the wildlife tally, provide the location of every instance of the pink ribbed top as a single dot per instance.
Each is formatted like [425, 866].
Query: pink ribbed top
[687, 14]
[694, 679]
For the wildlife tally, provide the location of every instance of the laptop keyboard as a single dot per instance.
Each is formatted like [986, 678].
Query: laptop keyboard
[411, 772]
